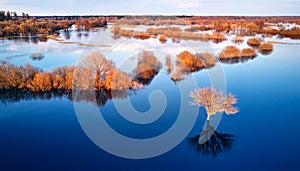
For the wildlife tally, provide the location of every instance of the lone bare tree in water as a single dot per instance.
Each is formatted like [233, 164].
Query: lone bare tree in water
[214, 101]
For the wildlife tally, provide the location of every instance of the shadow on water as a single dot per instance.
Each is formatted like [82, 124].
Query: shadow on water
[26, 39]
[8, 96]
[37, 56]
[237, 60]
[212, 146]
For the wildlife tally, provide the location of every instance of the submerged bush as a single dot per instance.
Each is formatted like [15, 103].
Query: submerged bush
[162, 39]
[249, 52]
[254, 42]
[187, 62]
[230, 52]
[147, 68]
[265, 47]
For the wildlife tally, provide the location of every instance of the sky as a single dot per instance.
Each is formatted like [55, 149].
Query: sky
[153, 7]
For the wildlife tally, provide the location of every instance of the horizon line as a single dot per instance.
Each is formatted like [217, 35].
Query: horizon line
[188, 15]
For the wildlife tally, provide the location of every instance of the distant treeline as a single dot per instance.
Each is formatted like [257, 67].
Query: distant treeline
[11, 24]
[31, 27]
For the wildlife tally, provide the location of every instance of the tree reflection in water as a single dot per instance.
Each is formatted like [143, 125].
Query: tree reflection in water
[13, 95]
[210, 142]
[237, 60]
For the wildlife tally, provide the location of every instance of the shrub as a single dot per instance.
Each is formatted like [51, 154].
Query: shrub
[162, 39]
[147, 68]
[191, 61]
[230, 52]
[141, 35]
[265, 47]
[248, 52]
[254, 42]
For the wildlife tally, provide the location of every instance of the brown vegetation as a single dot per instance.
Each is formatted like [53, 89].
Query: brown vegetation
[162, 39]
[190, 62]
[230, 52]
[234, 52]
[254, 42]
[293, 33]
[238, 40]
[34, 79]
[88, 23]
[151, 20]
[265, 47]
[208, 59]
[248, 52]
[118, 31]
[175, 32]
[214, 101]
[246, 26]
[10, 24]
[32, 27]
[93, 73]
[187, 62]
[172, 32]
[147, 68]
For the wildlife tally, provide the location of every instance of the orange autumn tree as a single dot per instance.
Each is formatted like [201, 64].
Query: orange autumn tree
[214, 101]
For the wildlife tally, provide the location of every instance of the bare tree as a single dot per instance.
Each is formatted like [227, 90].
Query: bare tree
[8, 15]
[214, 101]
[15, 15]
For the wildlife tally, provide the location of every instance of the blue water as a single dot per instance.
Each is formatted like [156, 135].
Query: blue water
[46, 135]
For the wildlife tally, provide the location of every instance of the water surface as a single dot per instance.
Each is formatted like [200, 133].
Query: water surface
[45, 134]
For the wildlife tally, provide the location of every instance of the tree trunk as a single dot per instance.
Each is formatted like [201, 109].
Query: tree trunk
[208, 117]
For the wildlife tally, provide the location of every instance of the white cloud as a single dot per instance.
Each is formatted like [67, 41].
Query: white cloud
[189, 4]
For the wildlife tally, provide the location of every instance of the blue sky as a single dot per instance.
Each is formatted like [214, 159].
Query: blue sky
[161, 7]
